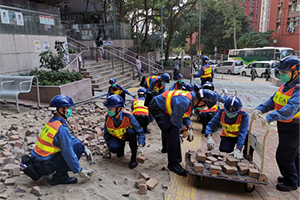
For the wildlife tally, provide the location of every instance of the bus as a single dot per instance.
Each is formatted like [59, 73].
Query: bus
[249, 55]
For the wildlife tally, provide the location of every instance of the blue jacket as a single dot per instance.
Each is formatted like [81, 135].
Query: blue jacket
[201, 72]
[152, 83]
[123, 89]
[180, 105]
[134, 123]
[150, 116]
[179, 86]
[289, 110]
[213, 124]
[64, 140]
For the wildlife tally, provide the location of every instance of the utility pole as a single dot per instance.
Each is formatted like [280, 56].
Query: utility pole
[162, 35]
[199, 34]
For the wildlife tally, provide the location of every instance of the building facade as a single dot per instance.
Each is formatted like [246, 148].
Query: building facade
[284, 21]
[253, 10]
[264, 15]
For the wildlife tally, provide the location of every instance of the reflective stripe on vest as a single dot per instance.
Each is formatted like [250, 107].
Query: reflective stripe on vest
[280, 100]
[118, 91]
[156, 88]
[231, 130]
[44, 146]
[119, 131]
[139, 108]
[177, 87]
[212, 109]
[207, 72]
[168, 98]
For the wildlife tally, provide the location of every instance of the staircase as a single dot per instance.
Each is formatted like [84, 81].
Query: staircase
[100, 73]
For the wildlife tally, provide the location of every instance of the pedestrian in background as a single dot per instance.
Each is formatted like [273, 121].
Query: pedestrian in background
[138, 66]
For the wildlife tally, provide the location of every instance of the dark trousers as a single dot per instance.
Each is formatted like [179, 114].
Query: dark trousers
[175, 74]
[58, 162]
[287, 154]
[143, 121]
[204, 118]
[169, 133]
[117, 145]
[203, 80]
[227, 145]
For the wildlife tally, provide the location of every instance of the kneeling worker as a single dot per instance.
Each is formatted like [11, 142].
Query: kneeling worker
[172, 111]
[57, 150]
[121, 126]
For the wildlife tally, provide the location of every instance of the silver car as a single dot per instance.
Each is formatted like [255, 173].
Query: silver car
[229, 67]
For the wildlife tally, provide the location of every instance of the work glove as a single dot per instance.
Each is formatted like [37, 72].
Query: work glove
[85, 173]
[264, 121]
[106, 152]
[88, 153]
[255, 113]
[225, 91]
[191, 75]
[140, 150]
[210, 143]
[190, 137]
[236, 154]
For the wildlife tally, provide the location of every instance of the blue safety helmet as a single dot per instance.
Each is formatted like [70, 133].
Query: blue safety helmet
[205, 58]
[165, 77]
[142, 91]
[112, 81]
[188, 87]
[179, 76]
[208, 96]
[114, 101]
[61, 101]
[232, 104]
[209, 85]
[290, 63]
[197, 87]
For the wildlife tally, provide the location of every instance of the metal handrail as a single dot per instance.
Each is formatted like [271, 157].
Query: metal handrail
[88, 48]
[133, 57]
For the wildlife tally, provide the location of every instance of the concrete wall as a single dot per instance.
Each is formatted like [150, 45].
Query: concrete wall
[17, 52]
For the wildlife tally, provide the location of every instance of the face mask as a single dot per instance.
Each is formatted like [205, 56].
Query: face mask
[113, 85]
[163, 83]
[200, 108]
[230, 115]
[110, 113]
[285, 78]
[69, 113]
[180, 81]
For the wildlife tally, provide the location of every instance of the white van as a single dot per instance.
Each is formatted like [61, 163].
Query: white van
[260, 67]
[229, 67]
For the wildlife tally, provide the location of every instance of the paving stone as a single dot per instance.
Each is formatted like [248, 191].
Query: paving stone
[142, 189]
[141, 158]
[21, 189]
[139, 181]
[126, 193]
[212, 159]
[200, 157]
[151, 183]
[228, 169]
[198, 167]
[2, 187]
[215, 169]
[10, 181]
[9, 167]
[144, 176]
[231, 161]
[243, 170]
[3, 196]
[254, 173]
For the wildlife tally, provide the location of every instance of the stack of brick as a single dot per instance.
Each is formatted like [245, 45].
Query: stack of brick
[145, 182]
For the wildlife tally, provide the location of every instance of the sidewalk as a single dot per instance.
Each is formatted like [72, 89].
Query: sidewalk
[185, 188]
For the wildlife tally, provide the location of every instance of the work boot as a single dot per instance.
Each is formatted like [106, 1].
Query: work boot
[280, 180]
[283, 187]
[133, 164]
[62, 177]
[176, 168]
[164, 150]
[120, 154]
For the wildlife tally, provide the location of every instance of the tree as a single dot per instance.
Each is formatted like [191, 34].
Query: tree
[255, 39]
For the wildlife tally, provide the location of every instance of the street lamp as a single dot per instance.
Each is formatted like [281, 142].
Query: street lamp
[199, 35]
[216, 49]
[162, 35]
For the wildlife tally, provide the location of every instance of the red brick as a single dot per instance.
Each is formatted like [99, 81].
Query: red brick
[10, 181]
[243, 170]
[231, 161]
[142, 189]
[36, 191]
[141, 158]
[228, 169]
[198, 167]
[139, 181]
[254, 173]
[144, 176]
[151, 183]
[200, 157]
[215, 169]
[212, 159]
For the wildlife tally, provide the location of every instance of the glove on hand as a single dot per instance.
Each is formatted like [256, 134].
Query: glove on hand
[85, 173]
[225, 91]
[210, 143]
[237, 154]
[264, 121]
[106, 152]
[88, 153]
[190, 137]
[255, 113]
[140, 150]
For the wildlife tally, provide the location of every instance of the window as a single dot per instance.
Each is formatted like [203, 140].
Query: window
[291, 8]
[266, 65]
[277, 27]
[279, 11]
[297, 7]
[259, 65]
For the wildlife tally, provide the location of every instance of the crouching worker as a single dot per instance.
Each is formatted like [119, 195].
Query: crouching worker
[235, 123]
[56, 149]
[121, 126]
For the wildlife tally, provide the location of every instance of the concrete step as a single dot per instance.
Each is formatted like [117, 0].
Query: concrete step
[111, 74]
[99, 65]
[103, 72]
[121, 81]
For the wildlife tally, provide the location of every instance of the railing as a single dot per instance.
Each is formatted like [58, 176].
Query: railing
[78, 57]
[151, 68]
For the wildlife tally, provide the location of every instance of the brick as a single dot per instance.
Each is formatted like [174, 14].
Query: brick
[142, 189]
[198, 167]
[243, 170]
[30, 140]
[220, 158]
[20, 189]
[18, 144]
[36, 190]
[222, 163]
[254, 173]
[151, 183]
[17, 195]
[3, 196]
[14, 172]
[10, 181]
[231, 161]
[228, 169]
[2, 187]
[141, 158]
[193, 159]
[200, 157]
[191, 151]
[215, 169]
[144, 176]
[215, 153]
[208, 153]
[165, 185]
[126, 193]
[212, 159]
[6, 153]
[14, 138]
[217, 164]
[9, 167]
[139, 181]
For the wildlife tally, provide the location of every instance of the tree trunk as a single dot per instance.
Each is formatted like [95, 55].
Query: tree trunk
[104, 8]
[234, 32]
[146, 21]
[136, 27]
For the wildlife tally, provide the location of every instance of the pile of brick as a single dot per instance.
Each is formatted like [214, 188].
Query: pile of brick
[145, 182]
[221, 164]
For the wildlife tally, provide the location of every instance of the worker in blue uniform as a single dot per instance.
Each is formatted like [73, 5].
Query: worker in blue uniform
[172, 111]
[140, 111]
[188, 87]
[117, 89]
[177, 85]
[155, 85]
[121, 126]
[57, 150]
[206, 73]
[286, 104]
[235, 123]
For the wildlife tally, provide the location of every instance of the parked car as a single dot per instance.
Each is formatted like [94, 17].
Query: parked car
[229, 67]
[213, 63]
[260, 67]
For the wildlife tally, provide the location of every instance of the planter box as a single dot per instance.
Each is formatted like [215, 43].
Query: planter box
[78, 91]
